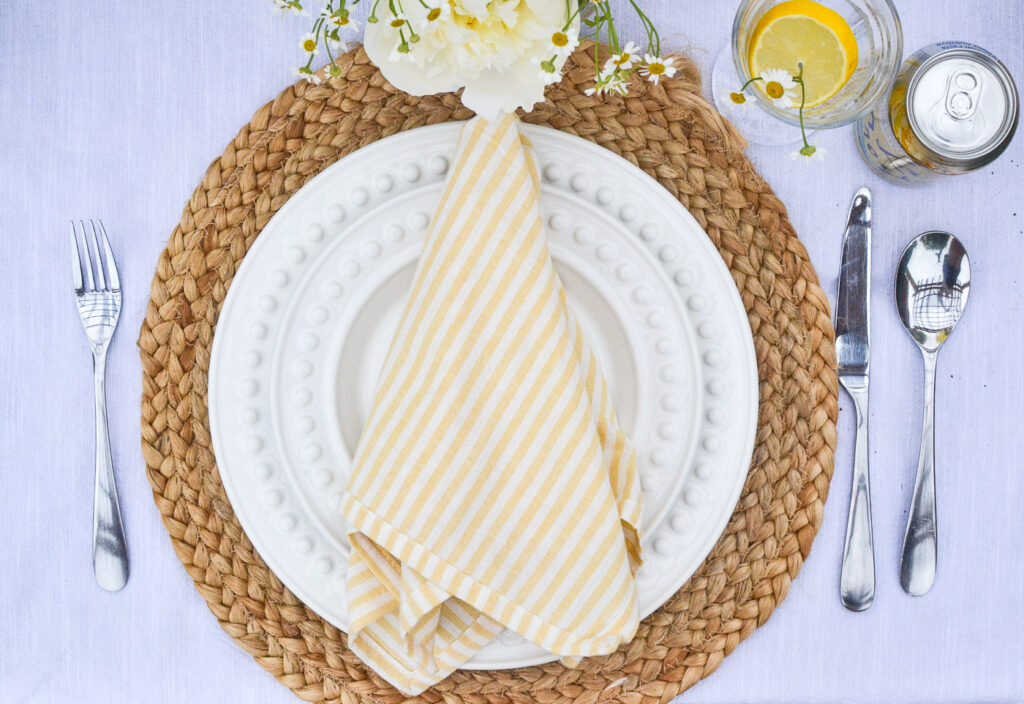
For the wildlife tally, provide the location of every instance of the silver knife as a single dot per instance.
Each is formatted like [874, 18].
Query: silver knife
[857, 584]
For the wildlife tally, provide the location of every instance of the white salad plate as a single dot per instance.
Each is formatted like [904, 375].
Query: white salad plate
[307, 321]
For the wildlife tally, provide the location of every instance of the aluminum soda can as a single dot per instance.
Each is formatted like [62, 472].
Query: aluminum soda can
[953, 108]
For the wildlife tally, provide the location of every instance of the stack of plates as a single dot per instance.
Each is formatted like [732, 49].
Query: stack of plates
[308, 319]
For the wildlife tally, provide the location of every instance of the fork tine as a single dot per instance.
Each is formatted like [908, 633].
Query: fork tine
[96, 257]
[108, 256]
[90, 284]
[76, 261]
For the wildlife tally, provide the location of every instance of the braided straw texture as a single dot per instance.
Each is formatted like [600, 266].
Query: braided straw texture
[671, 133]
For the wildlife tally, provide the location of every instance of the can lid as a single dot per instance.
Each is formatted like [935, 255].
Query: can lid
[962, 104]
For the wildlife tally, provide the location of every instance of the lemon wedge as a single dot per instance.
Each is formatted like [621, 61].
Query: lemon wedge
[807, 32]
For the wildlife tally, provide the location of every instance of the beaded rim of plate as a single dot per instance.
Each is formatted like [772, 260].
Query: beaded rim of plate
[294, 331]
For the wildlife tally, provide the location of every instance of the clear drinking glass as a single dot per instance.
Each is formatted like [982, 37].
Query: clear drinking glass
[876, 27]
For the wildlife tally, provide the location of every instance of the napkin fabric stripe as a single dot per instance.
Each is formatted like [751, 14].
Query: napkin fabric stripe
[492, 488]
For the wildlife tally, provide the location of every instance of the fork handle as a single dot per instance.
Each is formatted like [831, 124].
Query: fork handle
[109, 548]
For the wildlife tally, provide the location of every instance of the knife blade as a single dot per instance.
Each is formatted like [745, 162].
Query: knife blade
[857, 581]
[852, 338]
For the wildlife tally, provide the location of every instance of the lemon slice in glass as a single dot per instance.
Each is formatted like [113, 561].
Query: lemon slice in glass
[807, 32]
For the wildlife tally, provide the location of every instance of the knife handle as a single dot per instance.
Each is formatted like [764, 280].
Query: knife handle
[857, 582]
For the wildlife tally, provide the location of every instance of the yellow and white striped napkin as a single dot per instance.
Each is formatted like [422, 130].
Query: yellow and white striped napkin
[492, 487]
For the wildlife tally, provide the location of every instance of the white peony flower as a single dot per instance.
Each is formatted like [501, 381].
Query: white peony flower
[490, 47]
[779, 86]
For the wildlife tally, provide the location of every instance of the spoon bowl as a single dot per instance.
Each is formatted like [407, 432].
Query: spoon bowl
[933, 279]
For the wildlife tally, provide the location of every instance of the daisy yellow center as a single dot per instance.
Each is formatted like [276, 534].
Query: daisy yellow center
[656, 68]
[433, 14]
[559, 39]
[774, 90]
[309, 45]
[623, 58]
[397, 22]
[738, 98]
[342, 20]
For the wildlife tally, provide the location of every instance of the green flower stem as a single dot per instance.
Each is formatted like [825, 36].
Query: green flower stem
[807, 149]
[747, 84]
[653, 38]
[570, 14]
[373, 12]
[613, 36]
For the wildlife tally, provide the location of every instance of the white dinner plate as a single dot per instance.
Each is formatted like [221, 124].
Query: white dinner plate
[307, 321]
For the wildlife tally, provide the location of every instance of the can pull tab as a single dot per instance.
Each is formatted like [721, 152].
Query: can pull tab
[962, 94]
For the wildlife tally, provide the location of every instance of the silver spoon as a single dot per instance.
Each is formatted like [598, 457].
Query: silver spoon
[933, 279]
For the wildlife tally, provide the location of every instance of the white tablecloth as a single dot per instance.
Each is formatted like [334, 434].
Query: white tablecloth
[114, 109]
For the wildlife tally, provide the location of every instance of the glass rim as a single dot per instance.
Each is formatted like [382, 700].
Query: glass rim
[763, 102]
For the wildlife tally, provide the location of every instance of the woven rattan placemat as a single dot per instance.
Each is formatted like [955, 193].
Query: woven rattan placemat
[670, 132]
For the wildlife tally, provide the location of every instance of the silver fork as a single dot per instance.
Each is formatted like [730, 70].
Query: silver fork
[99, 306]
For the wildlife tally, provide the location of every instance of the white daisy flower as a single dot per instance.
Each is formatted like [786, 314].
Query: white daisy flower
[625, 59]
[399, 20]
[343, 20]
[308, 43]
[549, 77]
[397, 54]
[564, 43]
[779, 86]
[738, 99]
[439, 10]
[607, 82]
[307, 74]
[282, 7]
[654, 67]
[618, 85]
[599, 84]
[801, 155]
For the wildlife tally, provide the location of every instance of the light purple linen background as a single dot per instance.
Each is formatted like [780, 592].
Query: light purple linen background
[114, 110]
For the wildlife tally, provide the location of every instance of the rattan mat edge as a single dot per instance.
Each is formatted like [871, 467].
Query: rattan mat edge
[671, 133]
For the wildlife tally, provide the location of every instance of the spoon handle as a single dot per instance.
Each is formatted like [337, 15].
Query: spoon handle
[857, 579]
[920, 550]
